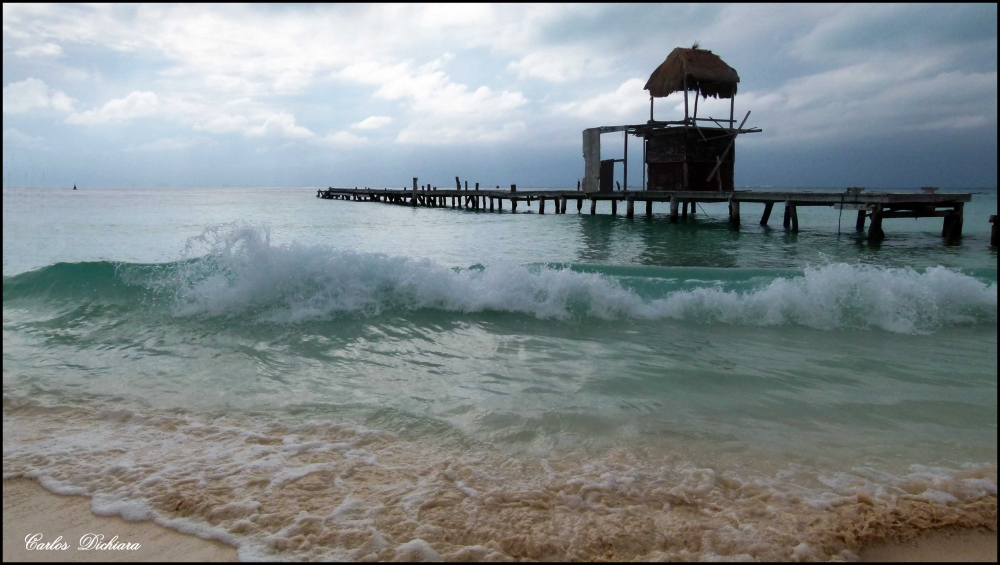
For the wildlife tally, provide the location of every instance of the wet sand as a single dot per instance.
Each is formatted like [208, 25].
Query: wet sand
[944, 546]
[30, 509]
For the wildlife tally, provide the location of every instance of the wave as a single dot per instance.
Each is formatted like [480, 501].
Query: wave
[237, 272]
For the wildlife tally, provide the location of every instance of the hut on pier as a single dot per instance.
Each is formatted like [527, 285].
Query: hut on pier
[692, 154]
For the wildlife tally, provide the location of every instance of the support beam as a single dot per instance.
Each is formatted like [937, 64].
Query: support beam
[859, 224]
[649, 208]
[593, 207]
[734, 213]
[875, 232]
[795, 219]
[787, 222]
[562, 204]
[614, 206]
[953, 228]
[541, 205]
[767, 213]
[579, 205]
[673, 209]
[684, 204]
[413, 199]
[629, 207]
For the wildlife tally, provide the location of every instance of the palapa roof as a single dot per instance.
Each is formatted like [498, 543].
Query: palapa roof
[703, 68]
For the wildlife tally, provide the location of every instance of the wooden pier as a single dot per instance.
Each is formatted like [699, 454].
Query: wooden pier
[870, 207]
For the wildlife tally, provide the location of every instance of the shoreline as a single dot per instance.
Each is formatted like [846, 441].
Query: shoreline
[28, 507]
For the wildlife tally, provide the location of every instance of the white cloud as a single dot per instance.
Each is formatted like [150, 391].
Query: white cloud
[372, 122]
[39, 50]
[222, 123]
[172, 144]
[882, 97]
[443, 111]
[13, 137]
[135, 105]
[561, 64]
[628, 101]
[344, 139]
[280, 125]
[19, 97]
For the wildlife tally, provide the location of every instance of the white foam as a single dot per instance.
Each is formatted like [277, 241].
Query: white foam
[242, 273]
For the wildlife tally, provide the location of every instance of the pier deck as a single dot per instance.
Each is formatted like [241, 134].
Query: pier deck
[871, 207]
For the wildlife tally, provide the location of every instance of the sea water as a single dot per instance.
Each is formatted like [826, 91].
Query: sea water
[306, 378]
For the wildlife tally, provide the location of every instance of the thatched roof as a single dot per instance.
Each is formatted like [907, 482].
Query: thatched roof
[703, 68]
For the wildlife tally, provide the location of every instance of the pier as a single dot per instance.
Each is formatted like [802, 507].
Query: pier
[685, 163]
[870, 208]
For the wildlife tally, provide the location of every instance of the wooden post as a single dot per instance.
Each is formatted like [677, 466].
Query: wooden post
[629, 207]
[614, 206]
[458, 185]
[593, 206]
[578, 185]
[579, 205]
[541, 205]
[673, 209]
[685, 104]
[649, 208]
[859, 224]
[513, 203]
[795, 218]
[734, 212]
[875, 232]
[625, 162]
[684, 204]
[491, 203]
[562, 204]
[788, 215]
[767, 213]
[732, 109]
[953, 225]
[413, 200]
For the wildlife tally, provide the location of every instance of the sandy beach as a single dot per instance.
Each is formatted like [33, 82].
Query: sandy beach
[30, 509]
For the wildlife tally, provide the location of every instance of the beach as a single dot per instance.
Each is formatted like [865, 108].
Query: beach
[261, 374]
[29, 509]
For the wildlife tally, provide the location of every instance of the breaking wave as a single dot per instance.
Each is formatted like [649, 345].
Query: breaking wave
[237, 272]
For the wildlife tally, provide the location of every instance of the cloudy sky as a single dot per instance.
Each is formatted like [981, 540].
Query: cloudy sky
[191, 95]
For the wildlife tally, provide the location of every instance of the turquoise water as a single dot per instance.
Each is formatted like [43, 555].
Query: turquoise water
[523, 354]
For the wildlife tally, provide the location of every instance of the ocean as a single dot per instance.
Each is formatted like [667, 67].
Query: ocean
[317, 379]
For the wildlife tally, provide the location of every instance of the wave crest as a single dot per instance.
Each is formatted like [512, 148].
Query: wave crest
[237, 271]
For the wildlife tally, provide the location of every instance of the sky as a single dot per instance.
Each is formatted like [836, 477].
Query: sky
[890, 96]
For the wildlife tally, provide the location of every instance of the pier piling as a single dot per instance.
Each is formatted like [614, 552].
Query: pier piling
[767, 213]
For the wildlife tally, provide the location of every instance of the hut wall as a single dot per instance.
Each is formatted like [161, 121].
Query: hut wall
[668, 151]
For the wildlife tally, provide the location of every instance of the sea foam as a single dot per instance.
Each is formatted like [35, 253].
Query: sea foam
[242, 272]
